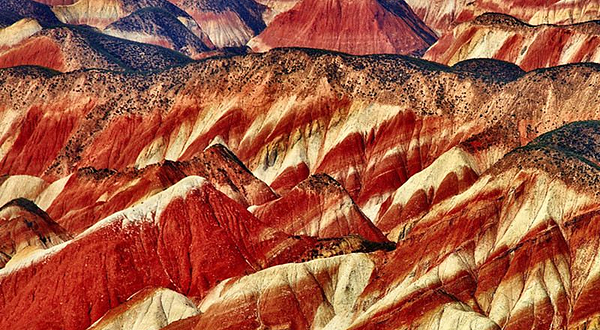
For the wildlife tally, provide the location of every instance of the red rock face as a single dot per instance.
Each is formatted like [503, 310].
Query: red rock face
[25, 228]
[483, 259]
[443, 15]
[319, 207]
[90, 195]
[354, 27]
[73, 48]
[30, 52]
[227, 24]
[151, 244]
[201, 183]
[505, 38]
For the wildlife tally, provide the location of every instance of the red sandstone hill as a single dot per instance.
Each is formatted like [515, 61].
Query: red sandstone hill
[443, 15]
[24, 229]
[159, 27]
[506, 38]
[70, 48]
[188, 192]
[157, 22]
[349, 26]
[227, 23]
[318, 207]
[101, 13]
[12, 11]
[479, 261]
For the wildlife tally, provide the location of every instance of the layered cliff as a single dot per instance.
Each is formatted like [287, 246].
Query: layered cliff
[506, 38]
[204, 180]
[443, 15]
[70, 48]
[24, 229]
[505, 253]
[188, 238]
[227, 23]
[355, 27]
[157, 22]
[159, 27]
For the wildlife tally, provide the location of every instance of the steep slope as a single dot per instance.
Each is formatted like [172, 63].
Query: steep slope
[17, 32]
[101, 13]
[20, 186]
[444, 15]
[24, 229]
[296, 95]
[354, 27]
[276, 7]
[158, 27]
[539, 12]
[507, 253]
[320, 294]
[88, 195]
[505, 38]
[186, 238]
[440, 15]
[227, 23]
[12, 11]
[75, 48]
[508, 248]
[149, 309]
[154, 21]
[319, 207]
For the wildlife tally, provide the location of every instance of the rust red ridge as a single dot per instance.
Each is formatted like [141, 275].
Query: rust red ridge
[193, 245]
[388, 174]
[546, 49]
[413, 308]
[438, 236]
[511, 48]
[417, 205]
[290, 177]
[231, 127]
[306, 204]
[27, 156]
[364, 36]
[422, 201]
[80, 203]
[37, 50]
[585, 52]
[447, 45]
[348, 154]
[131, 302]
[537, 246]
[583, 251]
[300, 298]
[27, 225]
[319, 110]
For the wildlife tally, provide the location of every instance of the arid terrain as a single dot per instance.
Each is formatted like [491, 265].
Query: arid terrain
[299, 164]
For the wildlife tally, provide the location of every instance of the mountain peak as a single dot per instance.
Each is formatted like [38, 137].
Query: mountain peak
[349, 26]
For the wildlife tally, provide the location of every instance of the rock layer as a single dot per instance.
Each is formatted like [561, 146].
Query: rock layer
[188, 238]
[355, 27]
[491, 200]
[159, 27]
[505, 38]
[444, 15]
[227, 23]
[24, 228]
[75, 48]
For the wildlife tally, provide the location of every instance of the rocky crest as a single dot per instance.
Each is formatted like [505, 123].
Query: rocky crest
[505, 38]
[355, 27]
